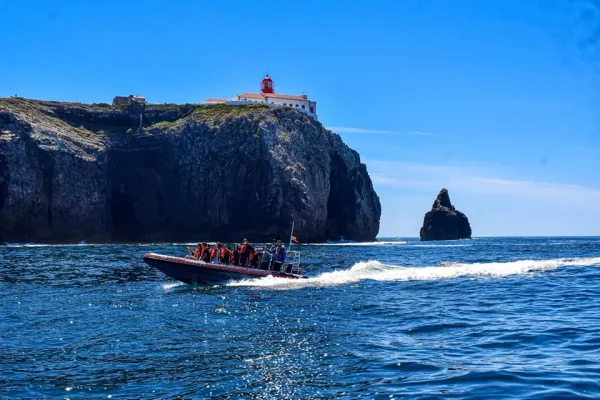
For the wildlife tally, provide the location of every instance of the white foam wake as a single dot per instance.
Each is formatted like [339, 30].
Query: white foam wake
[374, 270]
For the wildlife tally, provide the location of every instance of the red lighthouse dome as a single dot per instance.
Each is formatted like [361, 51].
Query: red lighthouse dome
[266, 86]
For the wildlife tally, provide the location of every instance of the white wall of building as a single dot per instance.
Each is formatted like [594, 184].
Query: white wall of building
[303, 105]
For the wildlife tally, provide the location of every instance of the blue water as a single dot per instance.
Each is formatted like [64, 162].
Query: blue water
[484, 318]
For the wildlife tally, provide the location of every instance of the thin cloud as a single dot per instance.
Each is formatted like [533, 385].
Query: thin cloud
[478, 180]
[347, 129]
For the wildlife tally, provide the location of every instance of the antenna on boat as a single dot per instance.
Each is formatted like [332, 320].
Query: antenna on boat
[291, 236]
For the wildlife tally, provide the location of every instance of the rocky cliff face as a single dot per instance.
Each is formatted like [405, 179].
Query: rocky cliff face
[71, 172]
[444, 222]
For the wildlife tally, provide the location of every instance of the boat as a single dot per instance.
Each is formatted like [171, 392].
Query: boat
[192, 271]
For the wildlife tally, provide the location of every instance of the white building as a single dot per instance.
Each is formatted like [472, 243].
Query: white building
[267, 95]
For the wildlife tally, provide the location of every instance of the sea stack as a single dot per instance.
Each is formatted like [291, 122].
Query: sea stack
[444, 222]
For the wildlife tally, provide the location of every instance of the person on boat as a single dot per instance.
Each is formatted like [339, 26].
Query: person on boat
[214, 254]
[195, 254]
[235, 255]
[205, 254]
[197, 251]
[224, 255]
[245, 252]
[278, 256]
[254, 259]
[270, 251]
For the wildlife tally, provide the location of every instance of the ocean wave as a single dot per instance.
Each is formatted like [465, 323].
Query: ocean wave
[441, 245]
[169, 286]
[382, 243]
[377, 271]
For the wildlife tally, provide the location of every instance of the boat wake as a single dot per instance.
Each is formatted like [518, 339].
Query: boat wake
[374, 270]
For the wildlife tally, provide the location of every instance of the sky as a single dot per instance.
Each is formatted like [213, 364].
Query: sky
[496, 100]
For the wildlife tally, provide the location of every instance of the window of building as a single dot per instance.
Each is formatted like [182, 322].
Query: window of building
[311, 110]
[296, 105]
[303, 106]
[284, 104]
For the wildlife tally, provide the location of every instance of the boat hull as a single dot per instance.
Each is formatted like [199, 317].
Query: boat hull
[193, 271]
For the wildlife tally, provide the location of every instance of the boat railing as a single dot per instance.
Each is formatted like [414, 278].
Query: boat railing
[295, 262]
[290, 266]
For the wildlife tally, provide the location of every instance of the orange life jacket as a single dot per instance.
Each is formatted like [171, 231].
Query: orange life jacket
[196, 253]
[213, 254]
[223, 252]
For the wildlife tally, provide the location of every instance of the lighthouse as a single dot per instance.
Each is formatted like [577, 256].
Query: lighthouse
[267, 95]
[266, 86]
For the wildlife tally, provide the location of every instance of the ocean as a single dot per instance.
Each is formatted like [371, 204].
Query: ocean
[493, 318]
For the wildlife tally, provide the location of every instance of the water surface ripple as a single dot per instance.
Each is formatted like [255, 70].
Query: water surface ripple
[485, 318]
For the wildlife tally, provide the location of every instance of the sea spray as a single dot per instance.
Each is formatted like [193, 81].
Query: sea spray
[377, 271]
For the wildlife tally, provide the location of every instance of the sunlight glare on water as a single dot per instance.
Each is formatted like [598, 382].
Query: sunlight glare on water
[485, 318]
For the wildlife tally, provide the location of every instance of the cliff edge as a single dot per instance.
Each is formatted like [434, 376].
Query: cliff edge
[71, 172]
[444, 222]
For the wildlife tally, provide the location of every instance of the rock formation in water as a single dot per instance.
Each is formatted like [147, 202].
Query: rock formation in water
[71, 172]
[444, 222]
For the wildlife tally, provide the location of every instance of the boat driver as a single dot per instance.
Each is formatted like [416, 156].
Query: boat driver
[278, 256]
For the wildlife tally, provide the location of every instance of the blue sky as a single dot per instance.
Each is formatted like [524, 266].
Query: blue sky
[495, 100]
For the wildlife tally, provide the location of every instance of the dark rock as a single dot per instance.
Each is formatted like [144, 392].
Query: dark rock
[444, 222]
[72, 172]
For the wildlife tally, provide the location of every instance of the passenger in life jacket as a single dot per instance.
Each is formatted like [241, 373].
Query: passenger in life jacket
[245, 252]
[195, 254]
[205, 255]
[235, 255]
[254, 259]
[197, 251]
[224, 254]
[214, 254]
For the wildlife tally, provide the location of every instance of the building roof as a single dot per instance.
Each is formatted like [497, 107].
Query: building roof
[274, 95]
[215, 101]
[253, 95]
[286, 96]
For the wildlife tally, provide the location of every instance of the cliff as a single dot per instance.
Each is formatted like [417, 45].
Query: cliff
[71, 172]
[444, 222]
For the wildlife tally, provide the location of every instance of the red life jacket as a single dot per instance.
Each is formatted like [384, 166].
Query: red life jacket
[213, 254]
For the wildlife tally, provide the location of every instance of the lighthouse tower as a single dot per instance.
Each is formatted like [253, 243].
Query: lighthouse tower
[266, 86]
